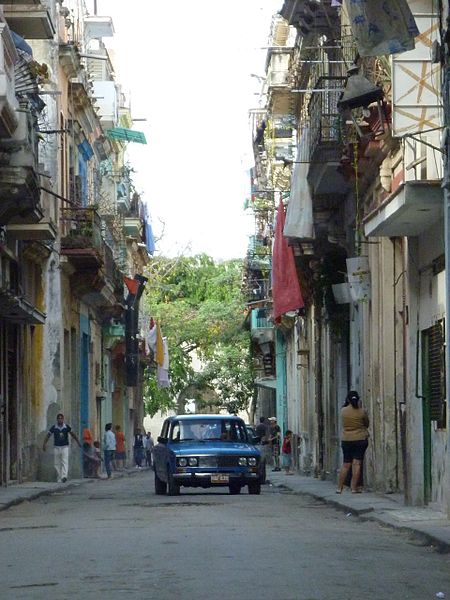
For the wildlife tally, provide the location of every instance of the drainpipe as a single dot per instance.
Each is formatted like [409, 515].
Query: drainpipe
[446, 186]
[319, 388]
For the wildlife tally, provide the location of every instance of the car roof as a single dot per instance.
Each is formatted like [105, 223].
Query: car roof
[191, 417]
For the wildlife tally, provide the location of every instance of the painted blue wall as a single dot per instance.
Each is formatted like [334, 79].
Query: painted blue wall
[84, 372]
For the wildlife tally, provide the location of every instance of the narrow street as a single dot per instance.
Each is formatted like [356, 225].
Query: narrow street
[105, 539]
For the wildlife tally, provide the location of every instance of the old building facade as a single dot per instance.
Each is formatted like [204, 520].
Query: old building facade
[360, 170]
[72, 229]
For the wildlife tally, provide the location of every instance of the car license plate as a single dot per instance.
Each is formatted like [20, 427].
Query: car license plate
[219, 478]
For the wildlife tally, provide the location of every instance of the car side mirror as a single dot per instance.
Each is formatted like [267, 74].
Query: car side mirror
[162, 440]
[256, 439]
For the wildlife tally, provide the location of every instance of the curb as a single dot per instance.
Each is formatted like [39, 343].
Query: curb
[369, 514]
[56, 490]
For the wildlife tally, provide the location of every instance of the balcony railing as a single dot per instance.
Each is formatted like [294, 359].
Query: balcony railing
[325, 129]
[82, 229]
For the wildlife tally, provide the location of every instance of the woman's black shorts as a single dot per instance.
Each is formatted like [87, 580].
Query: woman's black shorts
[354, 450]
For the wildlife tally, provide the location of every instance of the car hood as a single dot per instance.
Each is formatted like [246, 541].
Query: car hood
[212, 448]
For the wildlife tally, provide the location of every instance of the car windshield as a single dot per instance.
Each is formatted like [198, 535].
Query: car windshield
[227, 430]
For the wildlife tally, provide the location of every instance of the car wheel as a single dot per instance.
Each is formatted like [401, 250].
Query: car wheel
[173, 488]
[234, 488]
[160, 486]
[254, 487]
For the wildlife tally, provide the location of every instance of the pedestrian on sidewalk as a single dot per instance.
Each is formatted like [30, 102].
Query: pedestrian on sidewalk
[60, 432]
[138, 449]
[262, 432]
[286, 452]
[275, 439]
[148, 447]
[355, 434]
[109, 447]
[120, 455]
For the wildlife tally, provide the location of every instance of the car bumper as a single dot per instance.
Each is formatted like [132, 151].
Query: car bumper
[209, 479]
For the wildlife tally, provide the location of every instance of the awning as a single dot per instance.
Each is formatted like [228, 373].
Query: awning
[126, 135]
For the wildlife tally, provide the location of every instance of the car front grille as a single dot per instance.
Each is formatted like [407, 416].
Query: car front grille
[218, 461]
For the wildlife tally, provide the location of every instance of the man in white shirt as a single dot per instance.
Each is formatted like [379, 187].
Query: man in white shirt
[109, 447]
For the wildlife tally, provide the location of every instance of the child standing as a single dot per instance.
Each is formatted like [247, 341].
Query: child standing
[286, 452]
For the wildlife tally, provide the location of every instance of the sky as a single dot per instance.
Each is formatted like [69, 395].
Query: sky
[186, 67]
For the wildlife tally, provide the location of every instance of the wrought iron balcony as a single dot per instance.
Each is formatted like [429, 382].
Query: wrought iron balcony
[325, 137]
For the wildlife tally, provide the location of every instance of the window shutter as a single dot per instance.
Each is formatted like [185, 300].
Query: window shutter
[436, 359]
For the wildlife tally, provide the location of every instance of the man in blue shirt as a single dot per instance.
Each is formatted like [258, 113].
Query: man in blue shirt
[61, 432]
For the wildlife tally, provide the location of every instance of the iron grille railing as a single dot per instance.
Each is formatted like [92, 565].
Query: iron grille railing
[323, 111]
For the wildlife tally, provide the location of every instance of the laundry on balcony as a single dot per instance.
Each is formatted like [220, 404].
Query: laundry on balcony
[286, 291]
[382, 27]
[299, 216]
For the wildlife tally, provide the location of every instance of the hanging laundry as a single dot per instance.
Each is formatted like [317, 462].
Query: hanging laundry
[299, 216]
[382, 27]
[159, 354]
[286, 291]
[163, 370]
[150, 337]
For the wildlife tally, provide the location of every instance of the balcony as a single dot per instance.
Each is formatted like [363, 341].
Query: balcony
[262, 330]
[69, 59]
[132, 227]
[31, 21]
[19, 191]
[411, 209]
[325, 138]
[310, 17]
[82, 241]
[42, 232]
[113, 334]
[106, 94]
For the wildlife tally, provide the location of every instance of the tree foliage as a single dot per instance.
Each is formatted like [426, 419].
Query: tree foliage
[199, 305]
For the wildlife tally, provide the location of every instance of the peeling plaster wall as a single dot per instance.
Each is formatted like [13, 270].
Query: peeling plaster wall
[432, 309]
[51, 364]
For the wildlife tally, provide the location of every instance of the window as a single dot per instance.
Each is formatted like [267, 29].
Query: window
[436, 366]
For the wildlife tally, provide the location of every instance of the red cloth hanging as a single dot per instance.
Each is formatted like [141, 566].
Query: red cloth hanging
[132, 285]
[285, 285]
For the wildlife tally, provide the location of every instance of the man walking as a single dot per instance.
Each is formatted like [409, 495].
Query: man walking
[138, 448]
[148, 446]
[275, 439]
[60, 432]
[109, 447]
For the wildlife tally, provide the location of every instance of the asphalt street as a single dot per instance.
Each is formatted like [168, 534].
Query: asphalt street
[106, 539]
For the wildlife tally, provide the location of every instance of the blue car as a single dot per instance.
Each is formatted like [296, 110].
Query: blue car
[206, 451]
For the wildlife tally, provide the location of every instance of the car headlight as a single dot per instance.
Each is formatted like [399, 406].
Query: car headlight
[193, 462]
[252, 462]
[242, 462]
[182, 462]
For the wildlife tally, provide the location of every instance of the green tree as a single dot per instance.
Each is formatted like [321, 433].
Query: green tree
[201, 309]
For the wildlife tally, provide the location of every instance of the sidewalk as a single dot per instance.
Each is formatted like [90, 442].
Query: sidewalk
[16, 493]
[429, 525]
